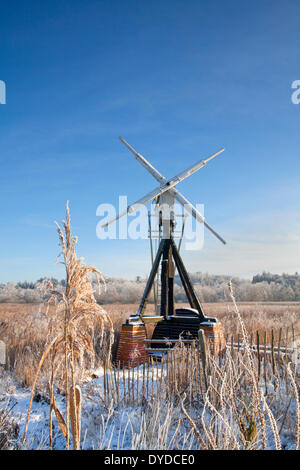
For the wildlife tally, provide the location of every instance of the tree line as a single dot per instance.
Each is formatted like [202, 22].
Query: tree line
[210, 288]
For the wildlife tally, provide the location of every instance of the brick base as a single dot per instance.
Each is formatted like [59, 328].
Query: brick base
[131, 348]
[214, 335]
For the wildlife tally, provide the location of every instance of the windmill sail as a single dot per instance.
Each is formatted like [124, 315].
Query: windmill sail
[190, 208]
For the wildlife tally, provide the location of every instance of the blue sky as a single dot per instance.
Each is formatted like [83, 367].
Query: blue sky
[178, 80]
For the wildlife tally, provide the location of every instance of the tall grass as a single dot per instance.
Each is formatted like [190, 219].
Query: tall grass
[69, 333]
[24, 329]
[169, 405]
[235, 401]
[225, 401]
[9, 428]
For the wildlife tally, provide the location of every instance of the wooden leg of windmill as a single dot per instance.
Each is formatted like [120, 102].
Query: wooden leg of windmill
[186, 282]
[171, 274]
[164, 279]
[151, 279]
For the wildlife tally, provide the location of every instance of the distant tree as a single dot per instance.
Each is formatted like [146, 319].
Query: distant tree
[210, 288]
[26, 285]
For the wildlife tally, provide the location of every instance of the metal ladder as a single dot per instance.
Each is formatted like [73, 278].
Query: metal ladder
[156, 234]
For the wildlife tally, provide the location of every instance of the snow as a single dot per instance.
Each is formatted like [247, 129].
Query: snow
[120, 426]
[124, 425]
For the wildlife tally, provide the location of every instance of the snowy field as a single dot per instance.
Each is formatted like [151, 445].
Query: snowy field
[152, 424]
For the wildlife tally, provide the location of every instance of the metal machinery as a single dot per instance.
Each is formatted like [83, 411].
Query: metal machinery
[171, 323]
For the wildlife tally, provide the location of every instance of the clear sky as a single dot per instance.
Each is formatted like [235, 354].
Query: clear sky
[178, 80]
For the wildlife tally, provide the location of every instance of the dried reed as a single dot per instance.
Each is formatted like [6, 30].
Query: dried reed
[69, 333]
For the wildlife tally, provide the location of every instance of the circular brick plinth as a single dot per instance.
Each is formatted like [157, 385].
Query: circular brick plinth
[131, 348]
[214, 335]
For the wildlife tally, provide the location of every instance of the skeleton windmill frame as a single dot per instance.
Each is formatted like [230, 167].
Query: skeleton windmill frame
[165, 195]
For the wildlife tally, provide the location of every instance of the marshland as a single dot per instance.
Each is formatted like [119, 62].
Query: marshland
[173, 321]
[61, 386]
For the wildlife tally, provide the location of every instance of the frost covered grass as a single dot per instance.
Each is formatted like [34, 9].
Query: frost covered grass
[24, 329]
[152, 425]
[173, 404]
[239, 409]
[188, 400]
[232, 413]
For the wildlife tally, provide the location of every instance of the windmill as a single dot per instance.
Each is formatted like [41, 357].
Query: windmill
[171, 323]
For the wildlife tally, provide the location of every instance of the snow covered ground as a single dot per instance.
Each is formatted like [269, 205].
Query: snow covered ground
[103, 426]
[154, 424]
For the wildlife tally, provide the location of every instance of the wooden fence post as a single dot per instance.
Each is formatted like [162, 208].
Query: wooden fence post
[258, 355]
[272, 352]
[203, 354]
[265, 360]
[278, 350]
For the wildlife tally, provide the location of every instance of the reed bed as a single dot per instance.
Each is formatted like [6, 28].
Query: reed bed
[239, 400]
[24, 329]
[9, 428]
[220, 403]
[246, 398]
[186, 370]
